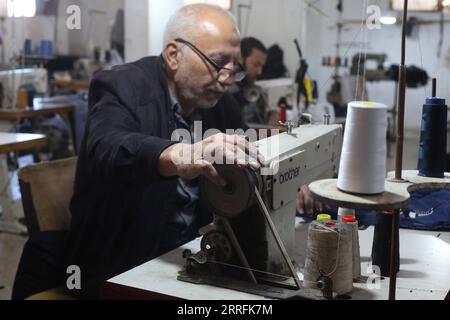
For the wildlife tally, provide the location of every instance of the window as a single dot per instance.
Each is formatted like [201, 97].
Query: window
[446, 5]
[421, 5]
[22, 8]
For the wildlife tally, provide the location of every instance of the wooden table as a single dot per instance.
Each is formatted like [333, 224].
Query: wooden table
[423, 275]
[82, 85]
[10, 118]
[13, 142]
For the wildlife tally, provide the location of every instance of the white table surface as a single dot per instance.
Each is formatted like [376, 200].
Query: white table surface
[424, 271]
[12, 209]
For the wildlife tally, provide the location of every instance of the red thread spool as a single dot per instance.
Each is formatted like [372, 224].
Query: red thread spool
[282, 116]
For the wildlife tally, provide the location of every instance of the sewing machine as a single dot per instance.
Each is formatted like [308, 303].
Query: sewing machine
[274, 89]
[360, 63]
[248, 246]
[12, 80]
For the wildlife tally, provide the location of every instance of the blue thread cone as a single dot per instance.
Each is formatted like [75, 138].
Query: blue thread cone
[433, 138]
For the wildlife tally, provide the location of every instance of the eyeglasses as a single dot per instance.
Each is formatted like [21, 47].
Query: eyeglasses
[237, 74]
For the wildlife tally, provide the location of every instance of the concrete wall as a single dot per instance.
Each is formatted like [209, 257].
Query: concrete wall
[273, 22]
[145, 21]
[97, 18]
[136, 29]
[17, 29]
[422, 51]
[282, 21]
[159, 13]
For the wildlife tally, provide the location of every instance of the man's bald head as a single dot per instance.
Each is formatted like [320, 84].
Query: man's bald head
[195, 21]
[201, 43]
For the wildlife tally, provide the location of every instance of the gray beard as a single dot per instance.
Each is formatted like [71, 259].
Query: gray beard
[189, 97]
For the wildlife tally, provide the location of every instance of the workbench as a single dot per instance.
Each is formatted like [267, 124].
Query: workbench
[424, 272]
[10, 118]
[78, 85]
[13, 142]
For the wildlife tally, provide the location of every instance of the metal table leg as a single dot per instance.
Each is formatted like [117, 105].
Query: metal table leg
[8, 221]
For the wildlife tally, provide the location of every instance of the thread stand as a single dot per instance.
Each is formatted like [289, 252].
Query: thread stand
[396, 194]
[395, 197]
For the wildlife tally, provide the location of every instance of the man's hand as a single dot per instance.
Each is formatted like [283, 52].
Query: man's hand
[192, 160]
[306, 203]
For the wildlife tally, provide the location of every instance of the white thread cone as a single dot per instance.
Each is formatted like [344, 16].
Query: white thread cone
[363, 159]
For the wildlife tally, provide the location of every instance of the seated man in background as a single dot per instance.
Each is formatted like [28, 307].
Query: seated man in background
[249, 96]
[306, 205]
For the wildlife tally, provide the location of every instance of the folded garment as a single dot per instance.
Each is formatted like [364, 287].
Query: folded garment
[429, 209]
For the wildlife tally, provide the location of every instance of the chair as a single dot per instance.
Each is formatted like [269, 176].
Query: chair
[46, 189]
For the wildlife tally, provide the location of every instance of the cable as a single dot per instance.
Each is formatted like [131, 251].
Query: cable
[441, 35]
[363, 93]
[247, 19]
[421, 61]
[345, 56]
[360, 54]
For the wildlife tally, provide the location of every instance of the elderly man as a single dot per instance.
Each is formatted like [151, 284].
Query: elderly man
[133, 199]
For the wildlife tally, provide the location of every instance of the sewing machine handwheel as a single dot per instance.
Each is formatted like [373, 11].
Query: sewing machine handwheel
[217, 246]
[233, 199]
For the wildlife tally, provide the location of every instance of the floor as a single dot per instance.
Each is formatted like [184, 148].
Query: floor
[10, 249]
[11, 246]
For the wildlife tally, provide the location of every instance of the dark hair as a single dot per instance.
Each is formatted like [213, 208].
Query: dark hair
[250, 43]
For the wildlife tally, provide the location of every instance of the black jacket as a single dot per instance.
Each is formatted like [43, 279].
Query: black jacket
[118, 207]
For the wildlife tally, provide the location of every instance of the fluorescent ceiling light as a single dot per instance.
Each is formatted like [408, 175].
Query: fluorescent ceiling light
[388, 20]
[417, 5]
[22, 8]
